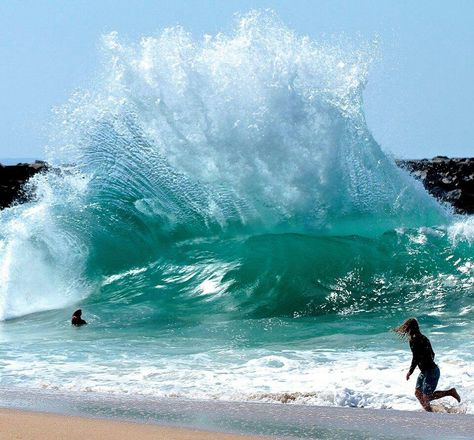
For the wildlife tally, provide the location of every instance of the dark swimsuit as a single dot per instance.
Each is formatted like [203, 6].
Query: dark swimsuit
[423, 358]
[75, 320]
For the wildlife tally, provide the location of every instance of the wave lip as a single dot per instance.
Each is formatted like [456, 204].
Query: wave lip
[259, 126]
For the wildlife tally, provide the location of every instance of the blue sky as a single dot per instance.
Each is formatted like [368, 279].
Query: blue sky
[419, 100]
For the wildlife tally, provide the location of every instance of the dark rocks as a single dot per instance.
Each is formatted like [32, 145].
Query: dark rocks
[448, 179]
[13, 179]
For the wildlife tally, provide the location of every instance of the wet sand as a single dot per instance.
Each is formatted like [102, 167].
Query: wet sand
[25, 425]
[43, 414]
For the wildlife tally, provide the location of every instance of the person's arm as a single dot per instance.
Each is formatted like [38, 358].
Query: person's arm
[414, 361]
[431, 349]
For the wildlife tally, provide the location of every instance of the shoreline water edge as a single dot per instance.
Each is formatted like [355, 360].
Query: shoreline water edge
[257, 420]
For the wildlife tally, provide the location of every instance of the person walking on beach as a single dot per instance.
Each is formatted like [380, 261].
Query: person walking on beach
[423, 358]
[76, 319]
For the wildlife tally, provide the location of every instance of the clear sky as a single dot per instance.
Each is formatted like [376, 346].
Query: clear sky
[419, 100]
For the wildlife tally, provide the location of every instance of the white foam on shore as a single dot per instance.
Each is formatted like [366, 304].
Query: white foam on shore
[326, 378]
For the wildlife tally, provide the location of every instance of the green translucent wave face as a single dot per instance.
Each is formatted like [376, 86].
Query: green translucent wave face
[414, 272]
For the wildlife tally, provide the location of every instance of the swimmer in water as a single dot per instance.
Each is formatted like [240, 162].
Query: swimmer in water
[76, 318]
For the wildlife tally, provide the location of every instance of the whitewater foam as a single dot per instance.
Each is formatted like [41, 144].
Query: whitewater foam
[462, 230]
[367, 379]
[41, 256]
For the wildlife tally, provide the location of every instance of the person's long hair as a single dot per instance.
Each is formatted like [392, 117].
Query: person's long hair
[408, 328]
[77, 313]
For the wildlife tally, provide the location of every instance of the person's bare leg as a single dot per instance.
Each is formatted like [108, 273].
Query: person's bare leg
[455, 394]
[440, 394]
[424, 400]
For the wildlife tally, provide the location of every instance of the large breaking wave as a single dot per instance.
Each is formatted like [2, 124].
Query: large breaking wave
[237, 167]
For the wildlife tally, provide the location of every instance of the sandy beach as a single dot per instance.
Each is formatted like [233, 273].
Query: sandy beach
[366, 424]
[25, 425]
[52, 415]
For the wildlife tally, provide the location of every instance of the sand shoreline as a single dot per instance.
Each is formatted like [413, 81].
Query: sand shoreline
[27, 411]
[28, 425]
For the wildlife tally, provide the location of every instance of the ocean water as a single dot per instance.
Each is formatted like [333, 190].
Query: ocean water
[232, 231]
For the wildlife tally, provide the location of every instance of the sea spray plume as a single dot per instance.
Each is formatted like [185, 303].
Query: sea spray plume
[264, 116]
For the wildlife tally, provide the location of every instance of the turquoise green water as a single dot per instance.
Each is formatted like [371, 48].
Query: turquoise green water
[232, 231]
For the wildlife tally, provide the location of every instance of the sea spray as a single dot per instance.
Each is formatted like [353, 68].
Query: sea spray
[42, 256]
[223, 213]
[265, 125]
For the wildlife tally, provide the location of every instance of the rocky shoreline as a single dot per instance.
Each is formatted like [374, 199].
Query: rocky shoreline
[450, 180]
[13, 179]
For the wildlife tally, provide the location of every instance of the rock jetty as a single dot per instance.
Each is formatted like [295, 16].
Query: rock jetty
[448, 179]
[13, 179]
